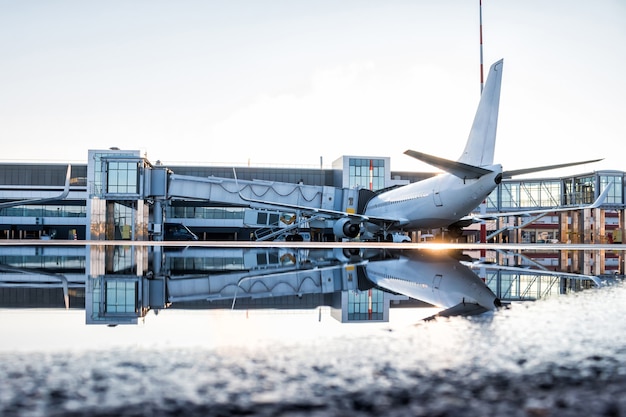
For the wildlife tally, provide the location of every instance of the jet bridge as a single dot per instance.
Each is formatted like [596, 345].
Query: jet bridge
[258, 193]
[127, 195]
[301, 200]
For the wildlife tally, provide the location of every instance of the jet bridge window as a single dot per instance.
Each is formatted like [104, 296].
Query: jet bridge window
[615, 193]
[123, 177]
[120, 296]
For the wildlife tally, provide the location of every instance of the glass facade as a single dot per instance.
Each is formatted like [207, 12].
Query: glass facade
[123, 177]
[113, 172]
[580, 190]
[365, 305]
[308, 176]
[509, 286]
[367, 173]
[44, 211]
[121, 296]
[39, 174]
[123, 219]
[112, 300]
[207, 263]
[214, 213]
[41, 261]
[615, 195]
[530, 194]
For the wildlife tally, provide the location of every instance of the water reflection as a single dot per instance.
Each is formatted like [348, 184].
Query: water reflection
[120, 285]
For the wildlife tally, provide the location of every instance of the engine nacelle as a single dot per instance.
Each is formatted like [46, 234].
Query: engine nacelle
[345, 228]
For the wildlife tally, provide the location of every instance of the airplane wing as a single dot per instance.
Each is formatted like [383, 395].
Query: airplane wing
[66, 191]
[462, 309]
[513, 173]
[475, 218]
[463, 170]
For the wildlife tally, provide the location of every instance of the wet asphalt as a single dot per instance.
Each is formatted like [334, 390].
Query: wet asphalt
[564, 356]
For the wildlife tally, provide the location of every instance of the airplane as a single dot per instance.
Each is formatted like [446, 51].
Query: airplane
[445, 200]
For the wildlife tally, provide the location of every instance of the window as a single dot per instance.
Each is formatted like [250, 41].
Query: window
[365, 305]
[123, 177]
[366, 173]
[584, 190]
[121, 296]
[531, 194]
[615, 193]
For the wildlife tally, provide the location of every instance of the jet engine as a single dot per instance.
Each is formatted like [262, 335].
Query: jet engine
[345, 228]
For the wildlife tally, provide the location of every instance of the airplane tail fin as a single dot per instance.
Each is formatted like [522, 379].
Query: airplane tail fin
[480, 146]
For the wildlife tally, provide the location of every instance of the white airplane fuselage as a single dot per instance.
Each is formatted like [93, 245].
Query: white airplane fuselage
[434, 202]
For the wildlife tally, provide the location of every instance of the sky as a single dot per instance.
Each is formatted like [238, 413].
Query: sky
[299, 83]
[53, 330]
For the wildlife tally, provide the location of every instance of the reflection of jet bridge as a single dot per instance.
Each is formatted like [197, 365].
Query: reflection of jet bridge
[249, 273]
[234, 285]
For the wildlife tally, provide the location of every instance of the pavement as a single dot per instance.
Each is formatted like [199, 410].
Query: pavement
[563, 356]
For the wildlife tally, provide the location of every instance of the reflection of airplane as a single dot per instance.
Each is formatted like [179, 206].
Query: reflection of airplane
[66, 190]
[436, 278]
[218, 278]
[432, 277]
[444, 200]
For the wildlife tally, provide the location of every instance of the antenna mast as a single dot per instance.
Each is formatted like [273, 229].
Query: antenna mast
[480, 8]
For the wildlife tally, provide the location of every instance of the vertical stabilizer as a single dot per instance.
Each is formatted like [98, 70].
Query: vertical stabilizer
[481, 142]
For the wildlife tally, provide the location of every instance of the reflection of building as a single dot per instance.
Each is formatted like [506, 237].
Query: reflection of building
[122, 299]
[120, 285]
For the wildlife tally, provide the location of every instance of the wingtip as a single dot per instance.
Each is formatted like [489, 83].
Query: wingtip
[602, 197]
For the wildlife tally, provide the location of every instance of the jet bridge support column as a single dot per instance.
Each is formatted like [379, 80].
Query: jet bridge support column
[620, 239]
[599, 223]
[587, 223]
[157, 221]
[563, 227]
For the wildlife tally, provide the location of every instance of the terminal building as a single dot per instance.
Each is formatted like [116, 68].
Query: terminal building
[120, 195]
[123, 179]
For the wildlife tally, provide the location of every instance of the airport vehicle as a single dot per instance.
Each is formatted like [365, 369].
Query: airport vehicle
[447, 199]
[178, 231]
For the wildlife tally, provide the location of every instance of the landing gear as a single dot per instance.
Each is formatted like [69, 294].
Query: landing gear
[455, 232]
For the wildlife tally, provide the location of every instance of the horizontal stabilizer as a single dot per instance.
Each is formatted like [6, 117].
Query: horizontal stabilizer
[462, 309]
[458, 169]
[509, 174]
